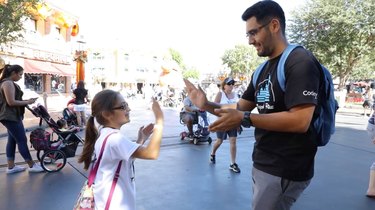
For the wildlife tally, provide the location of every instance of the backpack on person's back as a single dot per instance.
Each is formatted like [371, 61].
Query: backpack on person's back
[325, 111]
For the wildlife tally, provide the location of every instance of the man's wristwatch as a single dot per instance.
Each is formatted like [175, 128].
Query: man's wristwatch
[246, 120]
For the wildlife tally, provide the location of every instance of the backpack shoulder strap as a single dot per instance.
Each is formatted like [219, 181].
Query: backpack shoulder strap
[257, 71]
[281, 65]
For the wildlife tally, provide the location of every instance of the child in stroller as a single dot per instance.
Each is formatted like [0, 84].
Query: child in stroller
[54, 157]
[190, 116]
[69, 114]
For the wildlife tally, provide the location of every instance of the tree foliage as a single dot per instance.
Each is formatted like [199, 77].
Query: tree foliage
[176, 56]
[341, 33]
[187, 72]
[242, 59]
[191, 73]
[12, 15]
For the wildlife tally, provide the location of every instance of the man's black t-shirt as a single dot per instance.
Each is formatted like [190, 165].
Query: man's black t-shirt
[283, 154]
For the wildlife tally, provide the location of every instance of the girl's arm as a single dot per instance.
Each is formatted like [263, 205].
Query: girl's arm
[152, 149]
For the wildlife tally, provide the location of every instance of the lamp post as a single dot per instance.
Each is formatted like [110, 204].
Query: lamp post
[80, 57]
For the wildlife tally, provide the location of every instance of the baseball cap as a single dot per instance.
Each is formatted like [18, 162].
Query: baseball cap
[228, 80]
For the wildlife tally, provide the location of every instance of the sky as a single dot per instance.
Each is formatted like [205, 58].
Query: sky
[201, 30]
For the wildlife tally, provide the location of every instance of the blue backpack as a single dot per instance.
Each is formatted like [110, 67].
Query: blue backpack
[325, 111]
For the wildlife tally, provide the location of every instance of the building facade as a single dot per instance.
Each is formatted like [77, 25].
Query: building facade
[45, 52]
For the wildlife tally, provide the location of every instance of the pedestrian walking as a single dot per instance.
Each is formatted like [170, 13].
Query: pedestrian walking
[368, 103]
[80, 100]
[371, 184]
[285, 147]
[12, 109]
[227, 96]
[109, 113]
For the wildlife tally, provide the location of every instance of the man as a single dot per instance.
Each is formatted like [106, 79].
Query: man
[285, 147]
[189, 116]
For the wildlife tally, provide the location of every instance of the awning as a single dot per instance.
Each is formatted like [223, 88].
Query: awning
[45, 67]
[66, 70]
[39, 67]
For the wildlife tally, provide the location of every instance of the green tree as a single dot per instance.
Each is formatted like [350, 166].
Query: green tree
[365, 68]
[192, 73]
[12, 15]
[242, 59]
[339, 32]
[176, 56]
[187, 72]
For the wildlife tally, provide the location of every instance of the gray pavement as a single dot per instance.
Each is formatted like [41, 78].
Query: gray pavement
[183, 179]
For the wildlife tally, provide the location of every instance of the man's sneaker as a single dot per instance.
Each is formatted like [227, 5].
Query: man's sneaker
[212, 159]
[15, 169]
[234, 168]
[36, 168]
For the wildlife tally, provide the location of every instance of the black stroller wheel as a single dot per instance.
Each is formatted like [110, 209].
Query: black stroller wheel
[39, 154]
[53, 160]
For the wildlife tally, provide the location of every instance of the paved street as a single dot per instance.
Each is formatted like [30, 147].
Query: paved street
[183, 179]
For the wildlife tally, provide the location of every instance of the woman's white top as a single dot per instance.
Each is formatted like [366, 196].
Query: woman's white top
[118, 148]
[225, 100]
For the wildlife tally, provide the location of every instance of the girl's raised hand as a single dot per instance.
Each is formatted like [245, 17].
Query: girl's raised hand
[157, 110]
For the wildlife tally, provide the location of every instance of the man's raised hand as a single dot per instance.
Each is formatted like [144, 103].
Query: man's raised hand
[196, 95]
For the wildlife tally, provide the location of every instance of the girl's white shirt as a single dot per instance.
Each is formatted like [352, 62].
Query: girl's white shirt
[117, 148]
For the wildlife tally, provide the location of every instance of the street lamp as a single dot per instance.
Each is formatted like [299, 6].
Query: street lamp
[80, 57]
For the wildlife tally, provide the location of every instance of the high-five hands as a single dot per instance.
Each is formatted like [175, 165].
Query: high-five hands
[196, 95]
[227, 119]
[144, 133]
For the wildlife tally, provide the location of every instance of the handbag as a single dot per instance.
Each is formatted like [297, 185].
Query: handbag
[85, 200]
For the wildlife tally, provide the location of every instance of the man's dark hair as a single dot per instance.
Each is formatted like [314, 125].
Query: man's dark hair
[264, 11]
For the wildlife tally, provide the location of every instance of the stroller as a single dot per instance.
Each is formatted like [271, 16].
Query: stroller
[53, 156]
[69, 115]
[200, 132]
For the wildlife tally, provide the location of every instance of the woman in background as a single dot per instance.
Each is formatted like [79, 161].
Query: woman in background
[12, 109]
[81, 97]
[227, 96]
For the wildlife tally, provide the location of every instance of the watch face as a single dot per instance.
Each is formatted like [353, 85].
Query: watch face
[246, 121]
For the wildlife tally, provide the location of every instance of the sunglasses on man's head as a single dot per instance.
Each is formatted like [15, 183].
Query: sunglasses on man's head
[230, 83]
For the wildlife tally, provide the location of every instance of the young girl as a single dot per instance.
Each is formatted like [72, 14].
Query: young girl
[110, 112]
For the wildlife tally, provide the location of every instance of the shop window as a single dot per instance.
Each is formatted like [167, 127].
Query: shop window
[58, 84]
[97, 56]
[30, 25]
[34, 82]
